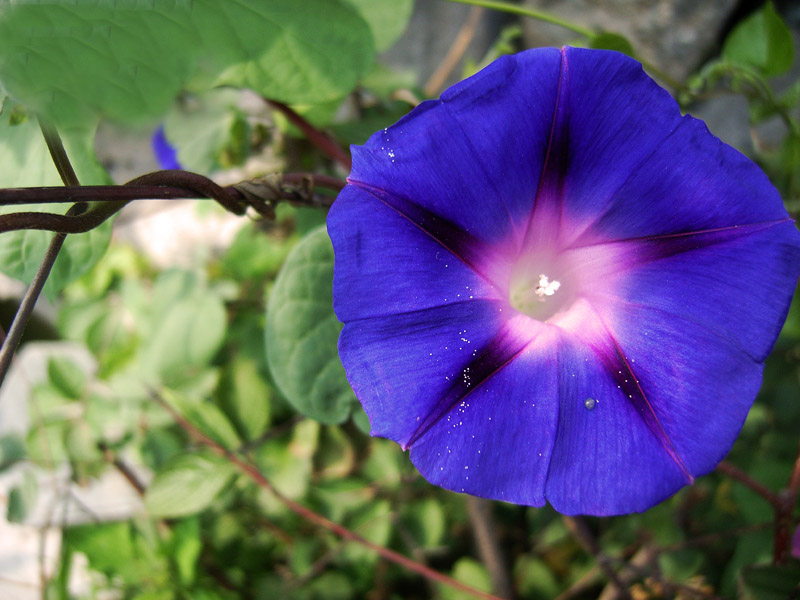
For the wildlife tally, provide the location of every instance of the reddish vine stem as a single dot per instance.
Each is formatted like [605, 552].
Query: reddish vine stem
[326, 144]
[783, 516]
[309, 515]
[782, 502]
[794, 478]
[745, 479]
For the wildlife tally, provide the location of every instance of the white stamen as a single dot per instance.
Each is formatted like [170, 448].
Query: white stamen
[546, 287]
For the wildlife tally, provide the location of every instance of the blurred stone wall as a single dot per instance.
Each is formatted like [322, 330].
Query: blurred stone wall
[675, 35]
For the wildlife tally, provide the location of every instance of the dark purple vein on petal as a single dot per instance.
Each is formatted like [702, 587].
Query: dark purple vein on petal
[617, 365]
[642, 250]
[460, 243]
[551, 177]
[500, 351]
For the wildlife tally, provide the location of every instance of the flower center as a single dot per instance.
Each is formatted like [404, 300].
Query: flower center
[537, 290]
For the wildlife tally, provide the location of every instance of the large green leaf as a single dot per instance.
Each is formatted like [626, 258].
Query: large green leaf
[208, 130]
[769, 582]
[67, 377]
[25, 161]
[425, 522]
[245, 396]
[373, 522]
[387, 19]
[124, 551]
[184, 326]
[187, 484]
[287, 460]
[295, 51]
[12, 450]
[205, 417]
[762, 41]
[470, 572]
[22, 498]
[302, 333]
[75, 60]
[612, 41]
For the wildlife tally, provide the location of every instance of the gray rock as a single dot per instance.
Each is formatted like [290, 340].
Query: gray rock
[431, 31]
[675, 35]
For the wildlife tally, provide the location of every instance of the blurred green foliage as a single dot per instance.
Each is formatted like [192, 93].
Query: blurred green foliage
[242, 347]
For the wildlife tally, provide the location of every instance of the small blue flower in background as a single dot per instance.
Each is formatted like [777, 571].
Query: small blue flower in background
[165, 153]
[556, 288]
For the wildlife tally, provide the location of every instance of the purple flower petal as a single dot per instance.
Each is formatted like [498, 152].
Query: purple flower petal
[796, 543]
[556, 288]
[717, 186]
[440, 174]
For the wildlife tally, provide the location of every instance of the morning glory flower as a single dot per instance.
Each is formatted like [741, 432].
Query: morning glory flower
[165, 153]
[555, 288]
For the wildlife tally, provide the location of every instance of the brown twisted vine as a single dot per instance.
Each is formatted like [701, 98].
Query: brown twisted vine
[260, 194]
[93, 205]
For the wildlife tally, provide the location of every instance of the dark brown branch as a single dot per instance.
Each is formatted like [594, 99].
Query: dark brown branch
[128, 192]
[197, 184]
[110, 457]
[63, 224]
[326, 144]
[259, 194]
[57, 153]
[25, 309]
[34, 290]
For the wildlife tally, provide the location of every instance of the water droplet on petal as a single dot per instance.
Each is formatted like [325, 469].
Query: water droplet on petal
[590, 403]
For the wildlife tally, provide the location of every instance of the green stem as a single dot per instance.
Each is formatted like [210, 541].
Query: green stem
[527, 12]
[659, 73]
[584, 31]
[57, 153]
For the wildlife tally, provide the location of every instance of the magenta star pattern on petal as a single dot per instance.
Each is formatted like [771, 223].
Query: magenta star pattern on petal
[555, 288]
